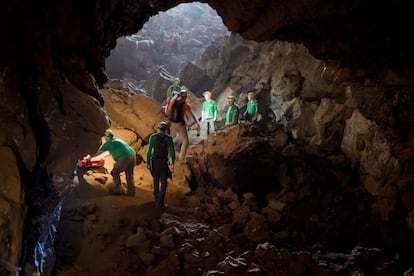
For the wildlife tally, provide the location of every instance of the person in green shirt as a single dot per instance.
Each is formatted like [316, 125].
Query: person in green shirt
[232, 115]
[124, 156]
[208, 114]
[175, 87]
[251, 111]
[160, 146]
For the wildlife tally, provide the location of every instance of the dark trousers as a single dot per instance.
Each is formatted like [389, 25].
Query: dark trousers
[160, 173]
[127, 165]
[159, 191]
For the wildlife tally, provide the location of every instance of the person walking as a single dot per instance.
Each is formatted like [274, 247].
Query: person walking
[251, 111]
[177, 114]
[124, 156]
[232, 115]
[160, 147]
[208, 114]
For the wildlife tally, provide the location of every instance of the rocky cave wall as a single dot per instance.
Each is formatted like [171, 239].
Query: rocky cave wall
[52, 64]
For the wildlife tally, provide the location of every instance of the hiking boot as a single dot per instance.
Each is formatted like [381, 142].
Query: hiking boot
[131, 194]
[159, 206]
[117, 192]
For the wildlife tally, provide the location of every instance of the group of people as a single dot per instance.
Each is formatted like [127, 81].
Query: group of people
[161, 153]
[177, 111]
[233, 111]
[209, 110]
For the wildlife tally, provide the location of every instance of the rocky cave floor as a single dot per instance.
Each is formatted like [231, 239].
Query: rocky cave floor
[206, 232]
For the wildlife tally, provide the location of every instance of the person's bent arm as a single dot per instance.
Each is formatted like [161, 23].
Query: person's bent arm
[234, 118]
[256, 108]
[100, 154]
[196, 121]
[150, 149]
[169, 92]
[171, 149]
[203, 111]
[203, 115]
[215, 112]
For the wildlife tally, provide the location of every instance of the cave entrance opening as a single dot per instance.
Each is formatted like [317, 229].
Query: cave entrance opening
[166, 43]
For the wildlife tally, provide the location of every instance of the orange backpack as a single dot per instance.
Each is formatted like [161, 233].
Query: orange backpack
[175, 109]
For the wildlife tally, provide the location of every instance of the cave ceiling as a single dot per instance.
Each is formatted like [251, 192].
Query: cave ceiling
[77, 36]
[362, 34]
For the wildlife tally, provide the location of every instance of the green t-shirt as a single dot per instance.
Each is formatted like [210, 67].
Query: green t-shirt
[171, 89]
[170, 144]
[117, 148]
[209, 109]
[252, 107]
[233, 109]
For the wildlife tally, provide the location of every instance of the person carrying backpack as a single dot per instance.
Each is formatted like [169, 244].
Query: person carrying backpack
[160, 146]
[177, 111]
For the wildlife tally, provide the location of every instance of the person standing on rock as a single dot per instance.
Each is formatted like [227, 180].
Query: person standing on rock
[160, 147]
[208, 114]
[251, 110]
[177, 115]
[232, 115]
[175, 87]
[124, 156]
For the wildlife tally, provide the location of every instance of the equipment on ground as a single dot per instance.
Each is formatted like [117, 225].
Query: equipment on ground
[91, 162]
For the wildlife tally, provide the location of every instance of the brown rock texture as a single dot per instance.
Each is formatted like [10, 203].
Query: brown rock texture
[52, 64]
